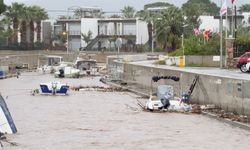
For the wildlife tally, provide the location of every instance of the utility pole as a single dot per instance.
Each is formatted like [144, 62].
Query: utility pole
[152, 38]
[182, 43]
[68, 38]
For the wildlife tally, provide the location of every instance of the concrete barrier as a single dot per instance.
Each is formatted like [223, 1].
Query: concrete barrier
[230, 94]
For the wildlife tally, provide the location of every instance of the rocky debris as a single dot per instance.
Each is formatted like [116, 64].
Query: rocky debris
[196, 109]
[233, 116]
[34, 92]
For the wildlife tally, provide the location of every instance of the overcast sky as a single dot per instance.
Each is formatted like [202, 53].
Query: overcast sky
[106, 5]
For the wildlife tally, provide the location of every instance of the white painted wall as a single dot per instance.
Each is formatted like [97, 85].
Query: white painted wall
[208, 22]
[103, 28]
[74, 28]
[89, 24]
[111, 28]
[141, 32]
[246, 16]
[74, 44]
[129, 28]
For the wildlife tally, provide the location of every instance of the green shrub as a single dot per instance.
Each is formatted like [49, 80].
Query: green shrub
[243, 43]
[178, 52]
[195, 45]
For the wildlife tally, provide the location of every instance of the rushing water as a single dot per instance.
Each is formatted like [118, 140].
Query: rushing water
[105, 120]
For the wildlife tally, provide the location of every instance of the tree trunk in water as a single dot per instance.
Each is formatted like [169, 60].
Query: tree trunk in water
[38, 26]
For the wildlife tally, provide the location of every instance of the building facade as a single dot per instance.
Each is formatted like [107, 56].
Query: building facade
[105, 32]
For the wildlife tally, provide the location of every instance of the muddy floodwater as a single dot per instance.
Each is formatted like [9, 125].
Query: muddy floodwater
[105, 120]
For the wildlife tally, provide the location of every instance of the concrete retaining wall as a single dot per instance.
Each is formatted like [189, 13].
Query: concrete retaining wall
[202, 61]
[229, 94]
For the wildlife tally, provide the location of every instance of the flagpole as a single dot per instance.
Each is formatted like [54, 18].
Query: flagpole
[221, 40]
[235, 21]
[226, 24]
[221, 36]
[232, 27]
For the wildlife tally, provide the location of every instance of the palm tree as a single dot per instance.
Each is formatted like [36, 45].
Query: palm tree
[25, 17]
[87, 37]
[39, 14]
[192, 18]
[150, 18]
[2, 7]
[245, 8]
[6, 33]
[169, 28]
[15, 13]
[33, 15]
[128, 12]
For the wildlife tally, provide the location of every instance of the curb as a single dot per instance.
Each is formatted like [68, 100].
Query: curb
[228, 121]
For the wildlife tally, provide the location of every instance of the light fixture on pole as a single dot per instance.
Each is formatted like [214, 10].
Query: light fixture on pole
[182, 39]
[182, 43]
[152, 44]
[66, 33]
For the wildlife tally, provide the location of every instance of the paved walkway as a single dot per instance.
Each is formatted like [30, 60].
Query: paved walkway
[233, 74]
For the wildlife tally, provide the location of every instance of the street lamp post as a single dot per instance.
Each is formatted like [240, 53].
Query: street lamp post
[152, 47]
[182, 43]
[67, 38]
[182, 39]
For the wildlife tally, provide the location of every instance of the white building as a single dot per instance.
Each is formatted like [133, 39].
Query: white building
[246, 18]
[106, 30]
[72, 29]
[212, 23]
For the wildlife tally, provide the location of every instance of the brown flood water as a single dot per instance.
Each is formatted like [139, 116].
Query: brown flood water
[98, 120]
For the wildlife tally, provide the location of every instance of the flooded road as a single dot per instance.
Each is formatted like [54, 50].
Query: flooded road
[105, 120]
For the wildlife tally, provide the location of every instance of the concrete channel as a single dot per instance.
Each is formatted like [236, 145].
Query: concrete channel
[227, 89]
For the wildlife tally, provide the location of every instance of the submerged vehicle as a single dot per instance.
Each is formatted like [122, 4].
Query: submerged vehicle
[164, 99]
[161, 100]
[52, 64]
[87, 67]
[54, 88]
[67, 70]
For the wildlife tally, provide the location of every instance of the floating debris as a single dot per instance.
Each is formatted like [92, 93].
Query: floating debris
[99, 89]
[233, 116]
[3, 138]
